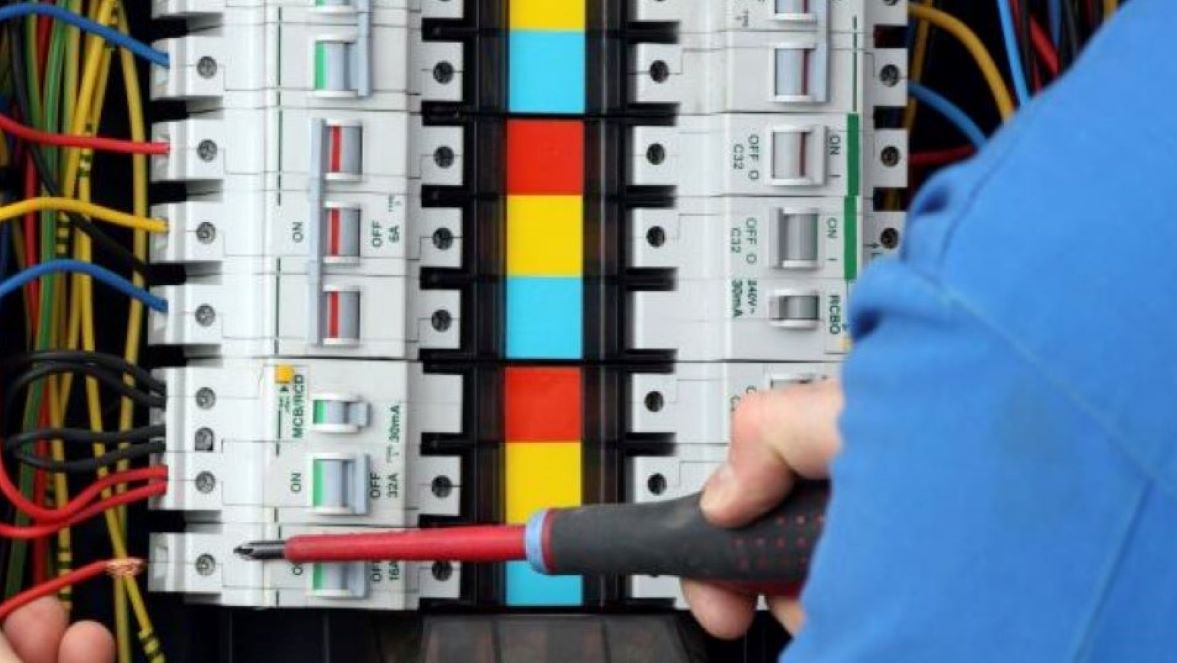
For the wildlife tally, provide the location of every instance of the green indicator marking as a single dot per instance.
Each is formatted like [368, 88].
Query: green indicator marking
[853, 162]
[317, 575]
[317, 483]
[320, 65]
[320, 412]
[850, 238]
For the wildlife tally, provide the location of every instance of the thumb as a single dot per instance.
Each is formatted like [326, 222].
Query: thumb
[776, 437]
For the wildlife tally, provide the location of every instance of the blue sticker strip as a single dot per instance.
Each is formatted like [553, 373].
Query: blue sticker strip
[525, 587]
[544, 317]
[547, 72]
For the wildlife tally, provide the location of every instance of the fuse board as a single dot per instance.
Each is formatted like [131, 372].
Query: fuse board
[455, 262]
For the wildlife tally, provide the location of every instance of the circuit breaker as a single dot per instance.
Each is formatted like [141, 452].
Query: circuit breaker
[454, 262]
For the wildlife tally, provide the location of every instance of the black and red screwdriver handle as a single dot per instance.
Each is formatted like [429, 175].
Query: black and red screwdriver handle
[673, 538]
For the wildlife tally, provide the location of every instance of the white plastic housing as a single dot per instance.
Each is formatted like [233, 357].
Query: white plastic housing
[770, 15]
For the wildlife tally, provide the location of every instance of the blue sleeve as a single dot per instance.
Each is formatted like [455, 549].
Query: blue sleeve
[1007, 489]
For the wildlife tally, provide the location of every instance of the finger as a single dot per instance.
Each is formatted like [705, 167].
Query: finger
[86, 642]
[6, 653]
[787, 611]
[34, 630]
[722, 612]
[776, 435]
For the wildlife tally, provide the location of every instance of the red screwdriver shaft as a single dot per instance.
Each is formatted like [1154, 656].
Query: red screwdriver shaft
[481, 543]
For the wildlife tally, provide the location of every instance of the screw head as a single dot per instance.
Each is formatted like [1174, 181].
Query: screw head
[205, 439]
[205, 398]
[656, 236]
[442, 571]
[441, 320]
[659, 71]
[443, 238]
[206, 150]
[206, 564]
[206, 67]
[889, 238]
[443, 72]
[890, 156]
[205, 315]
[656, 154]
[889, 75]
[206, 482]
[441, 487]
[443, 156]
[206, 232]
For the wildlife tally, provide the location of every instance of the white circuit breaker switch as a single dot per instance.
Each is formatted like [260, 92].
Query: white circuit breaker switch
[861, 16]
[801, 72]
[745, 154]
[201, 564]
[695, 401]
[338, 580]
[793, 238]
[802, 12]
[798, 155]
[743, 319]
[339, 484]
[795, 309]
[339, 414]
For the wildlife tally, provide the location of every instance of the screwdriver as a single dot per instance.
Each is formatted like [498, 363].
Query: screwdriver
[671, 538]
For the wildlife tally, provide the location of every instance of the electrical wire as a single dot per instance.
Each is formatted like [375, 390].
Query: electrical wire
[951, 112]
[114, 567]
[25, 438]
[109, 361]
[80, 501]
[40, 530]
[1017, 73]
[1109, 8]
[109, 34]
[1047, 54]
[64, 204]
[933, 158]
[976, 49]
[32, 135]
[1054, 14]
[92, 464]
[104, 275]
[108, 378]
[49, 179]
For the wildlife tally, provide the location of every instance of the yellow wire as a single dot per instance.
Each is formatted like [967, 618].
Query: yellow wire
[62, 204]
[968, 39]
[1109, 8]
[919, 55]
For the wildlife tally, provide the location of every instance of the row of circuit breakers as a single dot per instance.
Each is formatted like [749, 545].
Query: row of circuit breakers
[307, 153]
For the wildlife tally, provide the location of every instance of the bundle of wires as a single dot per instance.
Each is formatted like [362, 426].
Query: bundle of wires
[1039, 39]
[74, 445]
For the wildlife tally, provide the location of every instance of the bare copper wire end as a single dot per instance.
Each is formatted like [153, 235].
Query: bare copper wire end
[125, 568]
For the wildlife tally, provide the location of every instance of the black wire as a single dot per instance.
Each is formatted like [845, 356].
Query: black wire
[1070, 42]
[20, 440]
[103, 359]
[107, 378]
[89, 465]
[45, 173]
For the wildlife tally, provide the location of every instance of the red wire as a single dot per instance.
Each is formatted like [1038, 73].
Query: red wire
[121, 567]
[24, 132]
[477, 543]
[1046, 51]
[42, 530]
[940, 157]
[79, 502]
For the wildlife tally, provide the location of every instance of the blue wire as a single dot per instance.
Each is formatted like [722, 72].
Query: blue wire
[81, 22]
[1055, 14]
[950, 111]
[10, 285]
[1011, 52]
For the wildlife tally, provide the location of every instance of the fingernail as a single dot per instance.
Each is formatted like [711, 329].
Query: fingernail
[718, 491]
